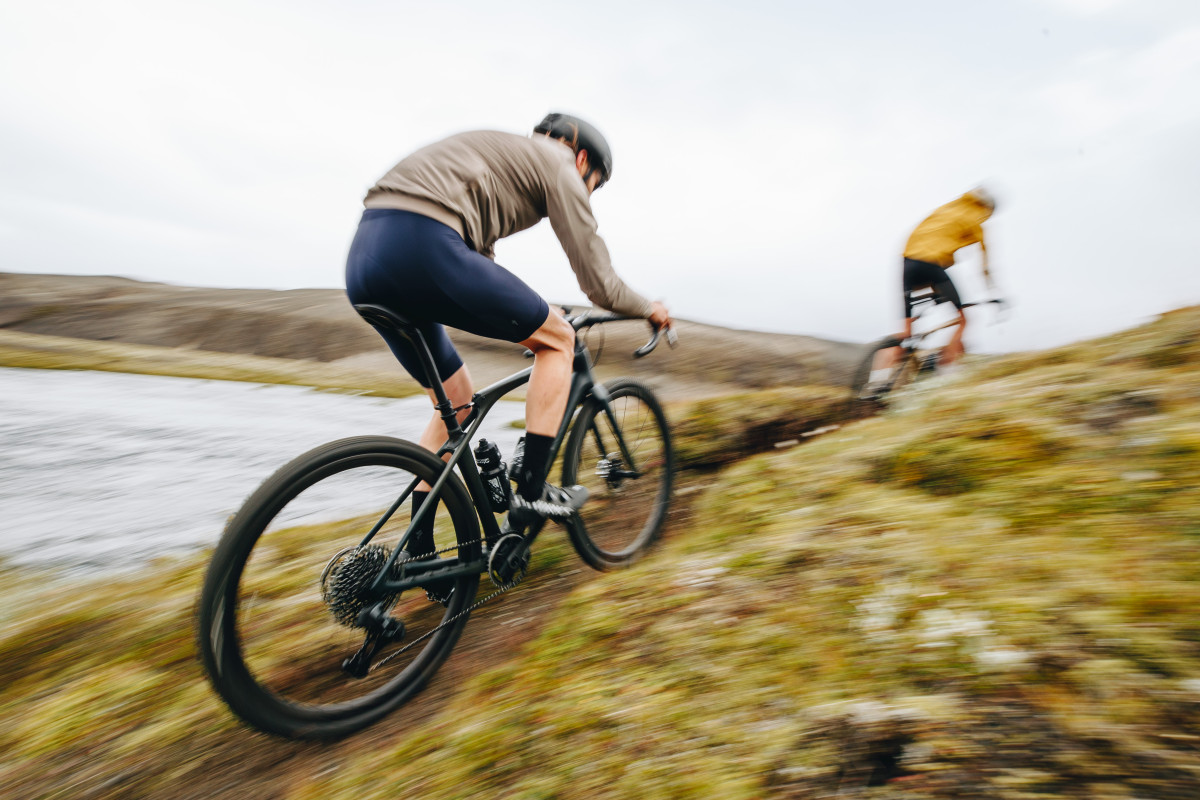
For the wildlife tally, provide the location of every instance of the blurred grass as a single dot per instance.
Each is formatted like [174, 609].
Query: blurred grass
[989, 591]
[96, 676]
[720, 430]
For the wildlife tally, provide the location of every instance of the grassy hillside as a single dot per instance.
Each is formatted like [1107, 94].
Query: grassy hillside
[990, 591]
[314, 337]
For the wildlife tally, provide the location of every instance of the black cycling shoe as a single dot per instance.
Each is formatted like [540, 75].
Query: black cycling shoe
[873, 391]
[556, 503]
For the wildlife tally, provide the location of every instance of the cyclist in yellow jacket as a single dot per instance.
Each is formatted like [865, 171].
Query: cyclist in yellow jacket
[930, 252]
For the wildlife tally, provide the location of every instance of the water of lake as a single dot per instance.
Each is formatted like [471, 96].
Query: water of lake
[105, 470]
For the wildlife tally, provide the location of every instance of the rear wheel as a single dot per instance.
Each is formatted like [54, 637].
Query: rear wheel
[629, 487]
[279, 610]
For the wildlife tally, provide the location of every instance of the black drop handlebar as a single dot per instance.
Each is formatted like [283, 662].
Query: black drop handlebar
[589, 318]
[1000, 301]
[648, 347]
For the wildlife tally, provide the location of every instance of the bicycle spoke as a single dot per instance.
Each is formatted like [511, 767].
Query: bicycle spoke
[387, 515]
[621, 452]
[286, 602]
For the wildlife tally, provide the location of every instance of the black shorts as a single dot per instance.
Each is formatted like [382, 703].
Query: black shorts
[923, 275]
[424, 271]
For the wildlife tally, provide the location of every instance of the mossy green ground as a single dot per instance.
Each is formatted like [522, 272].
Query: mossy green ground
[988, 591]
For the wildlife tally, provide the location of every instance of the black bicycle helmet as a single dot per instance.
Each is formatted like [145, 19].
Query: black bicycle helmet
[580, 135]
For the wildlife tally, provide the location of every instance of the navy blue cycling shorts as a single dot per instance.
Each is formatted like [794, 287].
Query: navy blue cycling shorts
[922, 275]
[424, 271]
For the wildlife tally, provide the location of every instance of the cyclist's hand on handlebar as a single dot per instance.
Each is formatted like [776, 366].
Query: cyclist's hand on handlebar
[661, 323]
[660, 320]
[659, 316]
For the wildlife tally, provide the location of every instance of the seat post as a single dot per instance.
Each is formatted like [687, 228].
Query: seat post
[443, 405]
[379, 316]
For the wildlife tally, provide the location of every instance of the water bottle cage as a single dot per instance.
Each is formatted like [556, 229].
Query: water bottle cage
[494, 473]
[498, 488]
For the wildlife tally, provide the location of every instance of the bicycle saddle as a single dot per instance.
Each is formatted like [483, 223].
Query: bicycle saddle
[382, 317]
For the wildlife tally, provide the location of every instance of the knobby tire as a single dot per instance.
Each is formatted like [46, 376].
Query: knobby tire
[624, 515]
[268, 640]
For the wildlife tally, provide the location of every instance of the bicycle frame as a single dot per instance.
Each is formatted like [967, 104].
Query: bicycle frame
[916, 339]
[459, 437]
[904, 353]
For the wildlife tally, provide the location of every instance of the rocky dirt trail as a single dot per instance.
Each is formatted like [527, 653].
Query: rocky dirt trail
[245, 763]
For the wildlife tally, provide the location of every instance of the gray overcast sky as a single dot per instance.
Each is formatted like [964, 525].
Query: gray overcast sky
[771, 158]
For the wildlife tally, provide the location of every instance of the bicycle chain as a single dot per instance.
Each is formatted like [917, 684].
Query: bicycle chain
[501, 590]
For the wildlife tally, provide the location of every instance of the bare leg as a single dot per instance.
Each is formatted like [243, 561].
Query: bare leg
[954, 348]
[422, 544]
[553, 347]
[886, 359]
[545, 401]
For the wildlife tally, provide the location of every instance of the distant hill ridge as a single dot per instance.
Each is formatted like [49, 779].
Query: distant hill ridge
[319, 325]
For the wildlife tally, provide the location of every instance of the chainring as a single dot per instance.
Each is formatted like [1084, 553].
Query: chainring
[503, 564]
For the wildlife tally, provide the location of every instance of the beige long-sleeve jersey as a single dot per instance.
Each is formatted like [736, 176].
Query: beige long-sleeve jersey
[488, 184]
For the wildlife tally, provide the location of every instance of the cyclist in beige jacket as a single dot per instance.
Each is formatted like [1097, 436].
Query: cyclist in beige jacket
[425, 248]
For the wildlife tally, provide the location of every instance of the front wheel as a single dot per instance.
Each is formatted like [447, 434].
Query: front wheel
[621, 451]
[279, 612]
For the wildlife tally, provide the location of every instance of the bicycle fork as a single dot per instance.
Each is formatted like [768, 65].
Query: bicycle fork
[613, 467]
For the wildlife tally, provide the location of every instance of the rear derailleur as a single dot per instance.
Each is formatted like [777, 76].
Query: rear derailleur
[382, 629]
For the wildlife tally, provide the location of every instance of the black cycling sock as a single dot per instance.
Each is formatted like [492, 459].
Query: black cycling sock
[421, 541]
[532, 476]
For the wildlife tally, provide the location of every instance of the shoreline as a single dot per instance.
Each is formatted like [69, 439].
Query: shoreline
[40, 351]
[312, 337]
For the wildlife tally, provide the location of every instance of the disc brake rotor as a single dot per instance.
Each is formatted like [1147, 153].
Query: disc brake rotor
[611, 469]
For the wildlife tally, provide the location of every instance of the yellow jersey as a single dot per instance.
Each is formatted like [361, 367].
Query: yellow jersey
[948, 229]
